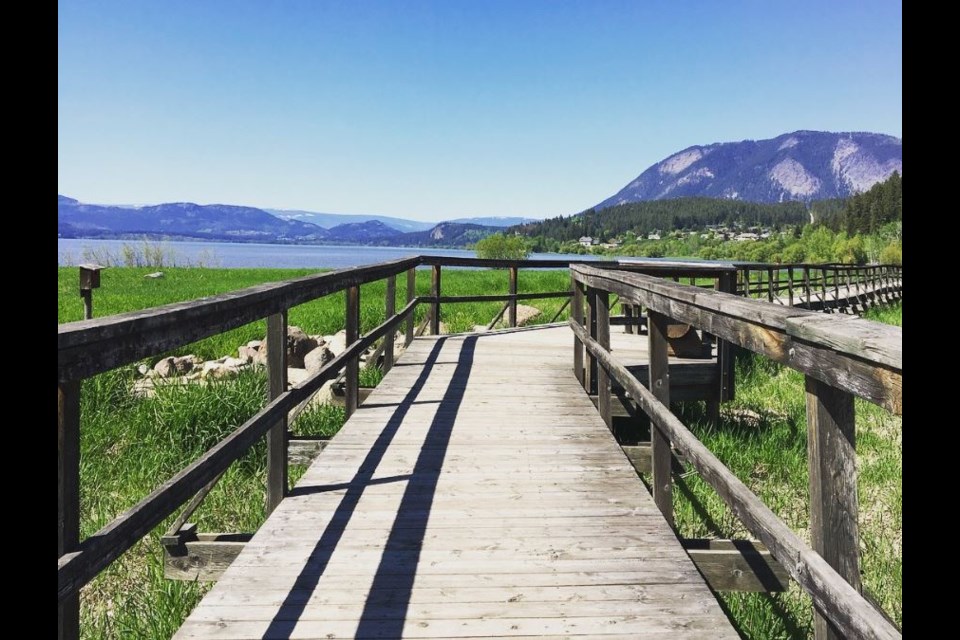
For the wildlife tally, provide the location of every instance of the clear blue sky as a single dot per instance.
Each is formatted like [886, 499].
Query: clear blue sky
[435, 110]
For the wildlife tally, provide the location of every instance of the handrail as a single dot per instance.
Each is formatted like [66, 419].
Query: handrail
[853, 614]
[841, 358]
[861, 357]
[88, 347]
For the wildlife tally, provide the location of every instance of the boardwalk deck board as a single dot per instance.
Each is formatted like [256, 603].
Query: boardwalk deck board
[476, 493]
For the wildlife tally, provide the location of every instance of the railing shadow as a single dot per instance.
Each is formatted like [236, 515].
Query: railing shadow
[384, 613]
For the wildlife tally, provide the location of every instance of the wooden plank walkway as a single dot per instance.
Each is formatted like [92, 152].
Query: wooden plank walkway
[476, 493]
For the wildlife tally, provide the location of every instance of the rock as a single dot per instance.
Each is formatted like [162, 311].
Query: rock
[296, 375]
[154, 275]
[143, 370]
[219, 369]
[337, 342]
[299, 344]
[143, 389]
[255, 344]
[185, 364]
[526, 314]
[315, 360]
[247, 354]
[166, 367]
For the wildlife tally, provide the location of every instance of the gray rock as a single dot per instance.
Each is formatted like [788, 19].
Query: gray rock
[166, 368]
[315, 360]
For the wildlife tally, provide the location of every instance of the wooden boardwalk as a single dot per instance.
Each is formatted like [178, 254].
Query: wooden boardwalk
[476, 493]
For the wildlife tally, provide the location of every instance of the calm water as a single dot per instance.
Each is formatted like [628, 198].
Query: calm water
[224, 254]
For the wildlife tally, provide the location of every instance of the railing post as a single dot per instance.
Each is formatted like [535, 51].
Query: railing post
[277, 435]
[352, 380]
[836, 286]
[823, 287]
[577, 314]
[790, 284]
[628, 314]
[806, 286]
[603, 337]
[832, 453]
[435, 309]
[662, 457]
[725, 359]
[411, 294]
[591, 369]
[68, 496]
[770, 283]
[391, 309]
[512, 313]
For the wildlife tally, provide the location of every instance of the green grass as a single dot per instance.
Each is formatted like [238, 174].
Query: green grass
[130, 445]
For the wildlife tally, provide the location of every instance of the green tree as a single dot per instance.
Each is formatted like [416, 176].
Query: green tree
[502, 247]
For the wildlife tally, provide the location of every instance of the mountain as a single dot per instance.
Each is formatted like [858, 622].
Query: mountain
[494, 221]
[803, 166]
[448, 234]
[369, 232]
[330, 220]
[214, 222]
[247, 224]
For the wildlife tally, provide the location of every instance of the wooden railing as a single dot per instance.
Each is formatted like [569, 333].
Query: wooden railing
[821, 286]
[841, 358]
[91, 347]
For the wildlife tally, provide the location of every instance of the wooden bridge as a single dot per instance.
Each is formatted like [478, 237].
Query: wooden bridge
[479, 490]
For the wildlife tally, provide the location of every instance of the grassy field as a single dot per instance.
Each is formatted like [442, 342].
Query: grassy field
[129, 445]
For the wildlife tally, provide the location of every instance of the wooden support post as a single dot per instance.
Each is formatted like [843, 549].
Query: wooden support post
[577, 314]
[832, 460]
[770, 292]
[68, 496]
[662, 457]
[352, 380]
[790, 285]
[435, 309]
[411, 294]
[823, 287]
[277, 435]
[603, 337]
[725, 352]
[592, 366]
[512, 313]
[628, 314]
[388, 340]
[836, 286]
[87, 296]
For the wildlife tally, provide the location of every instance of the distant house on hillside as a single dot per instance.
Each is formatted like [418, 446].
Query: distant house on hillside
[653, 235]
[587, 241]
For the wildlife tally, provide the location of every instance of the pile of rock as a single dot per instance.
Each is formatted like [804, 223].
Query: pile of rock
[306, 354]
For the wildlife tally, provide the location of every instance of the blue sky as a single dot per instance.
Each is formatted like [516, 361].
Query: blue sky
[433, 110]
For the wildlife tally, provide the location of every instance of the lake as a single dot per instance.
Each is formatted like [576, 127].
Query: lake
[71, 251]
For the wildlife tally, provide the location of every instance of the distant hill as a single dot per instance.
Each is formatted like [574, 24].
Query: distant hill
[494, 221]
[184, 219]
[248, 224]
[330, 220]
[802, 166]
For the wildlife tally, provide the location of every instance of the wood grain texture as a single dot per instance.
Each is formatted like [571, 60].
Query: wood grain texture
[453, 504]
